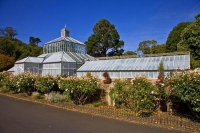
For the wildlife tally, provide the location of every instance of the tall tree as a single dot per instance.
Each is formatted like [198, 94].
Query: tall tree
[34, 40]
[105, 41]
[190, 38]
[145, 46]
[174, 36]
[37, 40]
[8, 32]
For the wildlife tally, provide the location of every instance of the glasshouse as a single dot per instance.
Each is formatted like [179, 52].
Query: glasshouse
[127, 68]
[63, 55]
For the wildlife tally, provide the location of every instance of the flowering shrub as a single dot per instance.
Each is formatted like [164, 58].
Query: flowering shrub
[186, 86]
[120, 92]
[160, 85]
[46, 84]
[136, 95]
[4, 77]
[25, 82]
[80, 89]
[11, 84]
[142, 91]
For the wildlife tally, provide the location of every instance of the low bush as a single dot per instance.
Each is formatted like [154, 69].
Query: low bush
[56, 97]
[36, 95]
[4, 89]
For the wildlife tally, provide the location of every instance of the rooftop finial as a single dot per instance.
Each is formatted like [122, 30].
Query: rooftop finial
[65, 25]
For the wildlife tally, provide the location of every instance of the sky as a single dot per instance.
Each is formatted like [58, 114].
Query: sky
[135, 21]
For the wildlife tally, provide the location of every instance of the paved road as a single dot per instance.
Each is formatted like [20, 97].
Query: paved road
[18, 116]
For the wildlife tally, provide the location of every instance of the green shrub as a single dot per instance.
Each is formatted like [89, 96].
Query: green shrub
[4, 89]
[80, 89]
[4, 76]
[186, 87]
[11, 84]
[135, 95]
[121, 93]
[25, 82]
[46, 84]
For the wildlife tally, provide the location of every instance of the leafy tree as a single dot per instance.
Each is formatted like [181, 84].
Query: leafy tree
[145, 46]
[155, 49]
[12, 47]
[105, 40]
[190, 38]
[174, 36]
[6, 62]
[7, 46]
[33, 40]
[8, 32]
[129, 53]
[37, 40]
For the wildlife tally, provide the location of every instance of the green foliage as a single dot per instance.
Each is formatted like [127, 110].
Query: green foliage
[135, 95]
[190, 38]
[13, 48]
[145, 46]
[25, 82]
[174, 36]
[156, 49]
[186, 86]
[36, 95]
[142, 94]
[121, 94]
[46, 84]
[100, 103]
[105, 38]
[56, 97]
[194, 63]
[80, 89]
[11, 84]
[6, 62]
[129, 53]
[33, 40]
[4, 89]
[8, 32]
[161, 69]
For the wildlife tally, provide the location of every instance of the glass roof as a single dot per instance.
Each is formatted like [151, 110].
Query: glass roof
[142, 63]
[57, 57]
[66, 38]
[31, 60]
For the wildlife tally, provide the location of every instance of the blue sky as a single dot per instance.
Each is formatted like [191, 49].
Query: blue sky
[135, 21]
